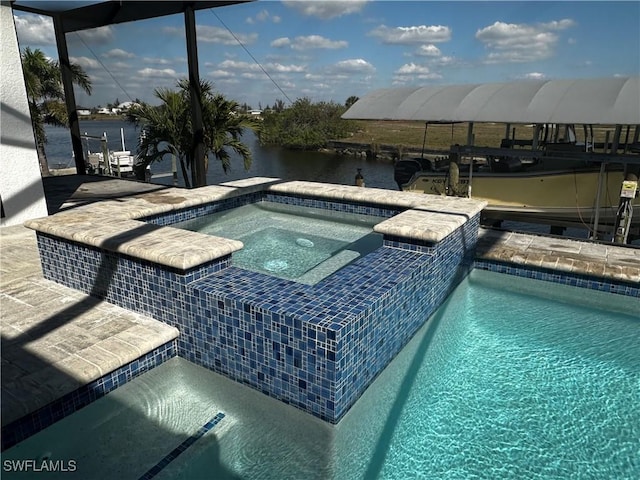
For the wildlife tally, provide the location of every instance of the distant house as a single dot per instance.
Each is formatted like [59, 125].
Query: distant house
[83, 112]
[106, 111]
[124, 106]
[256, 113]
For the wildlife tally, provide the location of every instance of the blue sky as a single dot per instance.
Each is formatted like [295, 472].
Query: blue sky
[332, 50]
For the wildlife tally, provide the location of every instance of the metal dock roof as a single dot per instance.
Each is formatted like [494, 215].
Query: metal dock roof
[608, 101]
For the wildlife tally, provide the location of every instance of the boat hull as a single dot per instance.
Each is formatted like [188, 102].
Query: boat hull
[550, 197]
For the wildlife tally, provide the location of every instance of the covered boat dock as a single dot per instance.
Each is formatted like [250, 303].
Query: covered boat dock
[551, 109]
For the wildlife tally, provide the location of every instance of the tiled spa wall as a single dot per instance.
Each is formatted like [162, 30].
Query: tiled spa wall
[313, 346]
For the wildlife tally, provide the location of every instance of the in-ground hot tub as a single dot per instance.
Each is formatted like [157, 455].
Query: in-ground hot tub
[304, 244]
[317, 344]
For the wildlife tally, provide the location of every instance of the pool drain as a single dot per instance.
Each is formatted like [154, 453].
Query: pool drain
[303, 242]
[276, 265]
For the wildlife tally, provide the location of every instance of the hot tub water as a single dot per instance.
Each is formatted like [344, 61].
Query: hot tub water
[290, 241]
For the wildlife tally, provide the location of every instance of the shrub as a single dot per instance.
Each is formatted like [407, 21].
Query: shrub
[305, 125]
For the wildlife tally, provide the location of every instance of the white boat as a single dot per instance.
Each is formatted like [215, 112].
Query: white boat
[553, 176]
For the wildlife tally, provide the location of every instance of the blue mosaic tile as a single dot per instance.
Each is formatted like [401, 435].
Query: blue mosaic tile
[191, 213]
[74, 401]
[565, 278]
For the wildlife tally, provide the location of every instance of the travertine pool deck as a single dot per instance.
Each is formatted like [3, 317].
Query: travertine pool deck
[55, 339]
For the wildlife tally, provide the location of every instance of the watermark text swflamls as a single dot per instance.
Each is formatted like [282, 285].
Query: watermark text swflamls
[47, 465]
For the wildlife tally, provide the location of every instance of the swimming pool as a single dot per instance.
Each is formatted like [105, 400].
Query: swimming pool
[304, 244]
[509, 379]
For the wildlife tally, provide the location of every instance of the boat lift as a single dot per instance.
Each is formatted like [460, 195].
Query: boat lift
[116, 163]
[610, 155]
[552, 107]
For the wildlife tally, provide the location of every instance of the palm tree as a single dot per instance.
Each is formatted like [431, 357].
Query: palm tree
[167, 129]
[45, 94]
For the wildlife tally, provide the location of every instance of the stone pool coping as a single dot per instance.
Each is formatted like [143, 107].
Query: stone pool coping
[113, 225]
[598, 260]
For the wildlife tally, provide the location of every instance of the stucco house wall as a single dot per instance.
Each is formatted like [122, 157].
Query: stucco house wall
[21, 189]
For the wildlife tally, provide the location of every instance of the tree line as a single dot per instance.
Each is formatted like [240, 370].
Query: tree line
[305, 125]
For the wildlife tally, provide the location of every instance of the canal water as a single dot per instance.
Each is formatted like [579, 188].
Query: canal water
[267, 161]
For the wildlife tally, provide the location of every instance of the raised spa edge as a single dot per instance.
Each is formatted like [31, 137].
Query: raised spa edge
[120, 225]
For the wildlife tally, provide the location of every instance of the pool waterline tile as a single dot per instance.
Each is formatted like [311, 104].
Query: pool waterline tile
[82, 396]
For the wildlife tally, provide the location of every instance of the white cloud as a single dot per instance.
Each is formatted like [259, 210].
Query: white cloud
[281, 42]
[351, 66]
[313, 77]
[119, 65]
[95, 35]
[410, 72]
[228, 81]
[35, 30]
[118, 53]
[278, 67]
[534, 76]
[287, 84]
[412, 35]
[158, 73]
[210, 34]
[156, 61]
[220, 74]
[445, 60]
[317, 41]
[429, 50]
[269, 67]
[85, 62]
[512, 43]
[326, 9]
[252, 76]
[175, 31]
[412, 69]
[558, 25]
[238, 65]
[263, 16]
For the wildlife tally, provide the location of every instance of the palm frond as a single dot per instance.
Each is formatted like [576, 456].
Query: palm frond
[168, 127]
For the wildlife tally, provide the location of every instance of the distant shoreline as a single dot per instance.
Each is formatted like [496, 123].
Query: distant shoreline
[98, 116]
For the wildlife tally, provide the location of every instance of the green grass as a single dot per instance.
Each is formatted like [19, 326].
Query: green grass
[411, 134]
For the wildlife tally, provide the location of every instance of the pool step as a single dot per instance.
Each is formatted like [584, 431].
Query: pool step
[328, 267]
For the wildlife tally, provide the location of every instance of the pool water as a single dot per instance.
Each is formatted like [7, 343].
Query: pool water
[511, 378]
[297, 243]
